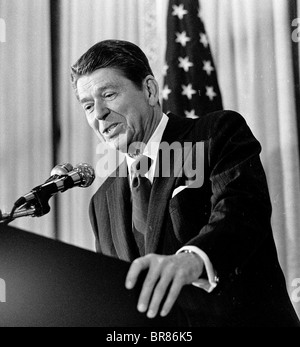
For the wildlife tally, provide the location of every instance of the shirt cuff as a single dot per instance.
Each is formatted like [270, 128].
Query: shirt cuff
[212, 280]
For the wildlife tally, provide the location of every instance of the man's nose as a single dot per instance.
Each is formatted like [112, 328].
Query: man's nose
[102, 111]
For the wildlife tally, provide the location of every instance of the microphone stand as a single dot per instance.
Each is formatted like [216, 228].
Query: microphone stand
[36, 209]
[18, 214]
[7, 218]
[83, 176]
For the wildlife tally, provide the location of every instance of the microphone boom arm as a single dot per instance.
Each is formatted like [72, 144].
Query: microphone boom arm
[6, 217]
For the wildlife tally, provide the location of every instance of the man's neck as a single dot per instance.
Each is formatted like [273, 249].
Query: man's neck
[156, 119]
[150, 128]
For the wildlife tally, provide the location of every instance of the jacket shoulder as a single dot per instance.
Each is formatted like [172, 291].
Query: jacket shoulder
[212, 124]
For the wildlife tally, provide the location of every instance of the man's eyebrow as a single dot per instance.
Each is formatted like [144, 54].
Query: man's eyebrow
[98, 90]
[84, 100]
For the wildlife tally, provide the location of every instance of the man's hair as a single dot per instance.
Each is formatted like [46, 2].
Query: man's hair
[124, 56]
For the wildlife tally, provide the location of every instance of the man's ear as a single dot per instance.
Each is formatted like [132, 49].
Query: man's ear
[151, 90]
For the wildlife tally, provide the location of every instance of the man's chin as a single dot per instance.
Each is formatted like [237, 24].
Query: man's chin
[118, 145]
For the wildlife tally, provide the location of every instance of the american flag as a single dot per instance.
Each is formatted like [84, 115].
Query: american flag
[190, 85]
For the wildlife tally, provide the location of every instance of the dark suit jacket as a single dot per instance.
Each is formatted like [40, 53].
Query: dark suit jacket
[228, 217]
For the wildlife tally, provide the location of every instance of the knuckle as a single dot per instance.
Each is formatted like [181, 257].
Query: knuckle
[181, 275]
[169, 268]
[136, 261]
[150, 255]
[156, 259]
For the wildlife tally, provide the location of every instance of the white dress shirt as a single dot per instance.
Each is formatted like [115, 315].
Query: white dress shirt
[151, 150]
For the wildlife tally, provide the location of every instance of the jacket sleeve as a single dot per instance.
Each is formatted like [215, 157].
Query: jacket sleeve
[239, 222]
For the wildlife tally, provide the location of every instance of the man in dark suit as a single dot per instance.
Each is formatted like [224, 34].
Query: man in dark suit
[197, 216]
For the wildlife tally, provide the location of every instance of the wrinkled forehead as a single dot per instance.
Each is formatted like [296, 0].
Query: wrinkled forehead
[99, 81]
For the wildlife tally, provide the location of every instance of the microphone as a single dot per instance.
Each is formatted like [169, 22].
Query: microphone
[59, 170]
[83, 175]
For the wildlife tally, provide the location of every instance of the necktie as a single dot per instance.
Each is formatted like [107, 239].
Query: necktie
[141, 190]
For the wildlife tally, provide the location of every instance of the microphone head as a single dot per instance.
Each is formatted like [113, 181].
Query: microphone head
[86, 173]
[61, 169]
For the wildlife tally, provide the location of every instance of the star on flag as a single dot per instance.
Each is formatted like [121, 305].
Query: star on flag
[185, 63]
[204, 40]
[165, 70]
[210, 93]
[208, 67]
[191, 114]
[165, 92]
[188, 91]
[179, 11]
[182, 38]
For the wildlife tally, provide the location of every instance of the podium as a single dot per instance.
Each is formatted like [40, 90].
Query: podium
[47, 283]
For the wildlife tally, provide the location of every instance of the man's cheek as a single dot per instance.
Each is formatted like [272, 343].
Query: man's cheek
[92, 124]
[97, 132]
[90, 120]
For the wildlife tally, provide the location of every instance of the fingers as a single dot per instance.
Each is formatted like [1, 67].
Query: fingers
[172, 296]
[136, 268]
[165, 278]
[155, 284]
[155, 287]
[169, 285]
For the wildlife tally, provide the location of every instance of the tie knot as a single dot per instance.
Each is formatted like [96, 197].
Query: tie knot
[141, 166]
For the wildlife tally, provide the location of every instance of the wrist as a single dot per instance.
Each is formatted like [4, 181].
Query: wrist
[197, 257]
[208, 279]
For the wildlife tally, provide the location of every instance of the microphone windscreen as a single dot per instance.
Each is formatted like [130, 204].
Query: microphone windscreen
[87, 174]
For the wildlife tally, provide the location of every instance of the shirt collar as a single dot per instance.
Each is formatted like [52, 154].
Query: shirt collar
[152, 148]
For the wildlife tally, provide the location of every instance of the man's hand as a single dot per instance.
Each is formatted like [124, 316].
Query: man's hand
[164, 272]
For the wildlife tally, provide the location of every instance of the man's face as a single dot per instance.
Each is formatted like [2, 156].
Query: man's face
[115, 108]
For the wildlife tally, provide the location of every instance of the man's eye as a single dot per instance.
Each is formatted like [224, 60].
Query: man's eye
[88, 108]
[109, 95]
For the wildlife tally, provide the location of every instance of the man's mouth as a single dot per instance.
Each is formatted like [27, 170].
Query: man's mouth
[112, 131]
[109, 130]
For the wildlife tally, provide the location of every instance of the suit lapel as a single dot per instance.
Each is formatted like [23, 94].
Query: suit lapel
[164, 186]
[120, 212]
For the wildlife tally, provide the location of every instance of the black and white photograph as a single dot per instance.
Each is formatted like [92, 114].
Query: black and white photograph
[150, 166]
